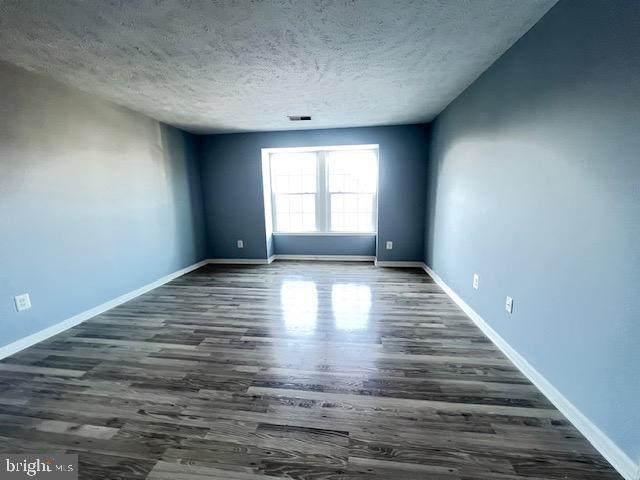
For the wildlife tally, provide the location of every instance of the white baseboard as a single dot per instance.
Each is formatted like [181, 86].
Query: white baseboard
[48, 332]
[239, 261]
[384, 263]
[609, 450]
[339, 258]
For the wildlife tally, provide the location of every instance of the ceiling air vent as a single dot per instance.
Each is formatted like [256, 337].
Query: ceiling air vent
[298, 118]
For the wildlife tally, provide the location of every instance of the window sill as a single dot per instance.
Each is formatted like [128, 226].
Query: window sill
[325, 234]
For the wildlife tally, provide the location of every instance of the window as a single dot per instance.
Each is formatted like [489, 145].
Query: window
[352, 190]
[323, 189]
[295, 183]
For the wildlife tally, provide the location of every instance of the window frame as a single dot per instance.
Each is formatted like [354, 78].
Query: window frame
[323, 195]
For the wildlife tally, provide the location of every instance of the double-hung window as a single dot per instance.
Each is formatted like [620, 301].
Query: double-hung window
[351, 190]
[294, 179]
[323, 189]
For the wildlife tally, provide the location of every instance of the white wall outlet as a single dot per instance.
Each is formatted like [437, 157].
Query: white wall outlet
[240, 243]
[23, 302]
[476, 281]
[389, 245]
[508, 304]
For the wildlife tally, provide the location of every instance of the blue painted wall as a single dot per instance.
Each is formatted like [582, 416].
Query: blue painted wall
[234, 205]
[535, 184]
[270, 246]
[325, 245]
[95, 201]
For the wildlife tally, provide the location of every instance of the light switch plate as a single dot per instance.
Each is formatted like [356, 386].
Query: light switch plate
[476, 281]
[508, 304]
[389, 245]
[240, 243]
[23, 302]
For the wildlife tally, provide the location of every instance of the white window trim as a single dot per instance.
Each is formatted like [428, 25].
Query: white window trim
[322, 193]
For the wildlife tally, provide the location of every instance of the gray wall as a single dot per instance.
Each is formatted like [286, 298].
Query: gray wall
[234, 204]
[535, 184]
[95, 201]
[325, 245]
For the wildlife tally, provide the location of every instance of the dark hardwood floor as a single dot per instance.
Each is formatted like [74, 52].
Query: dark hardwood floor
[292, 370]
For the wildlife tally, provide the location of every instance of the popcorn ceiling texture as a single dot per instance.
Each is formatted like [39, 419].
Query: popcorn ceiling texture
[222, 66]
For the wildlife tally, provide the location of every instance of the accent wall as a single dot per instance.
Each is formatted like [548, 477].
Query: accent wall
[234, 203]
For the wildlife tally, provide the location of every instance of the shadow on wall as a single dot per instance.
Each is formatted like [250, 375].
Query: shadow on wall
[178, 154]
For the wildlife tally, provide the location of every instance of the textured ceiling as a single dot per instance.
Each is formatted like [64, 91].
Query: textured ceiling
[220, 66]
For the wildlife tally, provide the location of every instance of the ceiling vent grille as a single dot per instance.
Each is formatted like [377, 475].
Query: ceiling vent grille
[299, 118]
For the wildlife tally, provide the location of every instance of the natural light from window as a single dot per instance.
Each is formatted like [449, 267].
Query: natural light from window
[324, 190]
[294, 180]
[351, 304]
[299, 301]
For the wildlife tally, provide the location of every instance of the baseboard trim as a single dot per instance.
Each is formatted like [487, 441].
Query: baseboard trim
[600, 441]
[385, 263]
[330, 258]
[48, 332]
[239, 261]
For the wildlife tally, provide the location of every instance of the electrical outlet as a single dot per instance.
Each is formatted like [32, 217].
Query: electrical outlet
[476, 281]
[508, 304]
[240, 243]
[389, 245]
[23, 302]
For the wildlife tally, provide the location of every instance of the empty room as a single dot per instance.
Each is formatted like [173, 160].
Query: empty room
[320, 239]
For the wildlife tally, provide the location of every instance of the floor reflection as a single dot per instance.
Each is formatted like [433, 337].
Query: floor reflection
[324, 325]
[299, 301]
[351, 304]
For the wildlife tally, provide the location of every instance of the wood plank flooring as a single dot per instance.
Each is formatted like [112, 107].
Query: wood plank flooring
[292, 370]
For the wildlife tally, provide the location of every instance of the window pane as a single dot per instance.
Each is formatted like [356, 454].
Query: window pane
[282, 223]
[351, 203]
[293, 172]
[365, 222]
[296, 222]
[352, 171]
[352, 212]
[295, 203]
[295, 212]
[308, 221]
[308, 183]
[309, 203]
